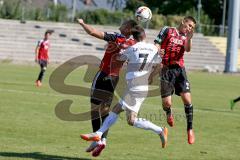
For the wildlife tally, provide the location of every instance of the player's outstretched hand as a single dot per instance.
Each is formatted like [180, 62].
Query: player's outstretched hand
[36, 60]
[80, 21]
[190, 34]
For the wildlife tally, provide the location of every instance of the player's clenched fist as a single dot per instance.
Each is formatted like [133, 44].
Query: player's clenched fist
[80, 21]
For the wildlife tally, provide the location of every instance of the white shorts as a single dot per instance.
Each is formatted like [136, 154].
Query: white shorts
[134, 97]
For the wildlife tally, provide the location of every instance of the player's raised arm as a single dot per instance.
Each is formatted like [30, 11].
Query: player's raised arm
[188, 44]
[90, 30]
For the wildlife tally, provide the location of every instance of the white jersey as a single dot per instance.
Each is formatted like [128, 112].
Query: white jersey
[141, 57]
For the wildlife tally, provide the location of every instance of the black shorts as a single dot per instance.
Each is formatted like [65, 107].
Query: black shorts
[42, 63]
[103, 88]
[174, 78]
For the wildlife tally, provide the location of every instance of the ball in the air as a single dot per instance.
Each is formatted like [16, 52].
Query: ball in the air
[143, 14]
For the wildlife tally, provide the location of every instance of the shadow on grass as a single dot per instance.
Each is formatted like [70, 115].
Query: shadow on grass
[37, 156]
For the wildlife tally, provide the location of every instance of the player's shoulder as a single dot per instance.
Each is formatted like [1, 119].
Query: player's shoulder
[113, 36]
[116, 34]
[168, 28]
[165, 28]
[40, 41]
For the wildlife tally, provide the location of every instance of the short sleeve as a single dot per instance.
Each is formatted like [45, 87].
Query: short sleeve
[162, 35]
[110, 36]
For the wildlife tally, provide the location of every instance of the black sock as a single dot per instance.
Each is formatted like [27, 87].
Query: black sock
[96, 121]
[41, 74]
[236, 100]
[168, 110]
[105, 133]
[189, 115]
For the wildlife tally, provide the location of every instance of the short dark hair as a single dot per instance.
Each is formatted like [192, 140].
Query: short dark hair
[49, 32]
[138, 33]
[191, 19]
[131, 23]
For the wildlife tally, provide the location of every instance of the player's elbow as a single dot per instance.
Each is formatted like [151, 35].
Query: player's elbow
[91, 33]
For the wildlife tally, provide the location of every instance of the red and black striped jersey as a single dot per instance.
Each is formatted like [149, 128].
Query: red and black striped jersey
[173, 43]
[43, 49]
[116, 43]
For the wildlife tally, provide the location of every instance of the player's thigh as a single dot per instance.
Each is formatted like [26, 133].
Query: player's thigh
[43, 64]
[103, 88]
[167, 82]
[182, 84]
[186, 98]
[132, 100]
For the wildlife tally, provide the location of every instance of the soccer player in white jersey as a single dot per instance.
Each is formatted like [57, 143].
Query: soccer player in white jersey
[141, 57]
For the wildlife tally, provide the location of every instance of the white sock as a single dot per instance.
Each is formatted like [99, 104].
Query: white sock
[104, 141]
[108, 122]
[147, 125]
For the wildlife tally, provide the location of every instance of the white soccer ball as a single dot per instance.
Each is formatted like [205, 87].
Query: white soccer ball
[143, 14]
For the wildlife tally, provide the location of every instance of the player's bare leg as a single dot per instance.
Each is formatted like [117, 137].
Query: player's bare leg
[167, 103]
[186, 98]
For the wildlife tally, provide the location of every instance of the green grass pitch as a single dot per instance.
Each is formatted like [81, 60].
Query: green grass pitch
[29, 128]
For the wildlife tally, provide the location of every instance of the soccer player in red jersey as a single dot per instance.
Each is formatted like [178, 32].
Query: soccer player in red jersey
[172, 43]
[42, 56]
[106, 79]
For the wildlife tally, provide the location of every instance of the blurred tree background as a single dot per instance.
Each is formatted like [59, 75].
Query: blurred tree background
[165, 12]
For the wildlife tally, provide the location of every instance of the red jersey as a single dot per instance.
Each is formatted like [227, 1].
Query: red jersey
[116, 43]
[173, 43]
[43, 49]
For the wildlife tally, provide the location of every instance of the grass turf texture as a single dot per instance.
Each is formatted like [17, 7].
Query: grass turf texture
[29, 128]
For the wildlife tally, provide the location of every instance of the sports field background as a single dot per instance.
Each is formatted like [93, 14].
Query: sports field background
[29, 128]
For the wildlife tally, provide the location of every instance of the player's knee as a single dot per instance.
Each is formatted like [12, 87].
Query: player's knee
[130, 121]
[105, 110]
[166, 104]
[117, 108]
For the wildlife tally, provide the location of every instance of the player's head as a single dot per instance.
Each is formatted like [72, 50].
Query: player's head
[47, 34]
[138, 33]
[126, 27]
[188, 24]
